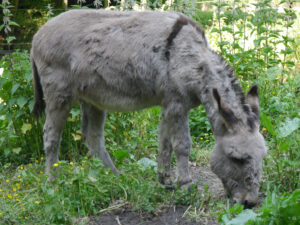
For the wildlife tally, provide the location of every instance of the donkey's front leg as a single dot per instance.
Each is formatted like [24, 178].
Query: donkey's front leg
[165, 155]
[176, 117]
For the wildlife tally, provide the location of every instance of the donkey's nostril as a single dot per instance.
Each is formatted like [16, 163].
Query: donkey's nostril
[248, 205]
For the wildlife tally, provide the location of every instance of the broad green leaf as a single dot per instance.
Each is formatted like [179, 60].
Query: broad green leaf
[288, 127]
[14, 88]
[21, 101]
[26, 127]
[12, 23]
[16, 150]
[10, 39]
[121, 155]
[242, 218]
[147, 163]
[76, 136]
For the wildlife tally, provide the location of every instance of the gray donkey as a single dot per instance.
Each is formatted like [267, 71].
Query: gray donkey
[122, 61]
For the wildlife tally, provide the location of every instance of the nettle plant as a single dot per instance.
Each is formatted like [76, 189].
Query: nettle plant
[7, 22]
[251, 37]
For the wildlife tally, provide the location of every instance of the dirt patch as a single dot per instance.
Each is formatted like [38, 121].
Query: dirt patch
[174, 215]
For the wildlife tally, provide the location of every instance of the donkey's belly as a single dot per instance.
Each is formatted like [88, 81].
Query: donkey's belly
[115, 101]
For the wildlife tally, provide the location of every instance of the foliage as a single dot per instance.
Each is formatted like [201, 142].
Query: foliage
[82, 188]
[276, 209]
[7, 22]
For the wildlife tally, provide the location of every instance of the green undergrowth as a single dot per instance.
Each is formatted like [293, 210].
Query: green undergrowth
[82, 189]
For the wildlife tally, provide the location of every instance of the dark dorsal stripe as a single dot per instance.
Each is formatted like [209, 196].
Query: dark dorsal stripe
[180, 22]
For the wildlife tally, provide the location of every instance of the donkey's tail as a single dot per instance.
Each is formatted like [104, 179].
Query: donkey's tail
[39, 103]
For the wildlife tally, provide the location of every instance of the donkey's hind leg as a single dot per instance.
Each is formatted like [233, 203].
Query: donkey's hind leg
[93, 130]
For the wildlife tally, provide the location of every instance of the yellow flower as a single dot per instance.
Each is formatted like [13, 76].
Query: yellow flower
[1, 214]
[106, 173]
[14, 189]
[7, 181]
[55, 165]
[37, 202]
[17, 200]
[201, 138]
[23, 209]
[37, 161]
[273, 93]
[85, 157]
[59, 162]
[25, 217]
[38, 179]
[16, 195]
[30, 164]
[207, 140]
[21, 167]
[9, 196]
[248, 86]
[71, 163]
[247, 81]
[42, 158]
[19, 176]
[41, 172]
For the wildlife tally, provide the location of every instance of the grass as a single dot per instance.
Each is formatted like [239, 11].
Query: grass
[85, 188]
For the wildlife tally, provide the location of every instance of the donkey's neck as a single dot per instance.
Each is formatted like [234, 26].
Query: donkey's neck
[220, 76]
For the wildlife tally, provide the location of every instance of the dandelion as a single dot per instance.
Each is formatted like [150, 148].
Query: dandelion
[273, 93]
[7, 181]
[71, 163]
[9, 196]
[37, 161]
[1, 214]
[85, 157]
[14, 189]
[30, 165]
[19, 176]
[42, 158]
[26, 218]
[106, 173]
[16, 195]
[41, 172]
[59, 162]
[248, 86]
[18, 200]
[21, 167]
[37, 202]
[38, 179]
[207, 140]
[23, 209]
[55, 164]
[247, 81]
[201, 138]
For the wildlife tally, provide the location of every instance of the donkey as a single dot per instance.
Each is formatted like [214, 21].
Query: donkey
[122, 61]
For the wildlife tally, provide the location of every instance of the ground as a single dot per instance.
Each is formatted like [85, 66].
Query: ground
[171, 215]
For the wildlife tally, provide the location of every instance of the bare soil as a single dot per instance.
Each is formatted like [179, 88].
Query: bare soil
[172, 215]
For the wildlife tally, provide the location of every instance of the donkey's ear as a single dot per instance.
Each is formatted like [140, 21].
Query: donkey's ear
[253, 100]
[226, 113]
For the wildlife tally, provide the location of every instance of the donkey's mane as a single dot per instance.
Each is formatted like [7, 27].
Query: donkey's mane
[228, 71]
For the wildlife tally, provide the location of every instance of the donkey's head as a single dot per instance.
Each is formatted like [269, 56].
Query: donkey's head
[239, 150]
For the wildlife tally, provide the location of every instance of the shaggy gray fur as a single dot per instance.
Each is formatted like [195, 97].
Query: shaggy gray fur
[122, 61]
